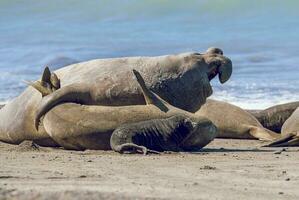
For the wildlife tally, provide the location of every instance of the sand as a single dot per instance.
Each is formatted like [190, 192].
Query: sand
[225, 169]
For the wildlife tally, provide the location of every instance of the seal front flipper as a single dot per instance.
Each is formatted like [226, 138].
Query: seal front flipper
[287, 140]
[133, 148]
[123, 138]
[149, 96]
[262, 133]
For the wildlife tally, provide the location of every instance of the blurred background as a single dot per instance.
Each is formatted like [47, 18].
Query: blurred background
[260, 36]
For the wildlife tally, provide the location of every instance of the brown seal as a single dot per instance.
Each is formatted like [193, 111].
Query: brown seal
[289, 132]
[234, 122]
[182, 80]
[274, 117]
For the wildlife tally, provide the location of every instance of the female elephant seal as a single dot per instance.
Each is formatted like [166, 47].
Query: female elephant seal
[274, 117]
[289, 132]
[157, 126]
[234, 122]
[182, 80]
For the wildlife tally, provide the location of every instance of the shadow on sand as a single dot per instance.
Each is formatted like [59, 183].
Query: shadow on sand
[225, 150]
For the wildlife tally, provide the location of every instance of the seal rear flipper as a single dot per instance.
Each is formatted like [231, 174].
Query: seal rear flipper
[55, 81]
[263, 134]
[50, 79]
[46, 75]
[287, 140]
[49, 82]
[39, 87]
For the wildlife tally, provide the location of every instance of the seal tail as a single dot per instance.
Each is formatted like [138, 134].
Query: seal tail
[287, 140]
[263, 134]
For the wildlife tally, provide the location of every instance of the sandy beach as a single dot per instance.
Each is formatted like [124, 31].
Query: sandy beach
[238, 169]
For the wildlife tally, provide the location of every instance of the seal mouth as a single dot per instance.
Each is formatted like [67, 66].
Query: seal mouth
[213, 73]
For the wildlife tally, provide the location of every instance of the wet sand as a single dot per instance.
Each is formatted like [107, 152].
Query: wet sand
[225, 169]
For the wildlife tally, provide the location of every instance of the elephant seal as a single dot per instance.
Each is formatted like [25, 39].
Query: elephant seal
[289, 132]
[274, 117]
[172, 77]
[101, 127]
[234, 122]
[1, 106]
[176, 133]
[182, 80]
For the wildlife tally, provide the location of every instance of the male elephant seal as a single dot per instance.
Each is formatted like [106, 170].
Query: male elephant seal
[157, 126]
[234, 122]
[274, 117]
[175, 78]
[289, 132]
[182, 80]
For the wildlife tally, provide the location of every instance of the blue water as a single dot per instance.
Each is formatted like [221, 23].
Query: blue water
[261, 37]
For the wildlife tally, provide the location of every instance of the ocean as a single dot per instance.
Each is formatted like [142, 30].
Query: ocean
[260, 36]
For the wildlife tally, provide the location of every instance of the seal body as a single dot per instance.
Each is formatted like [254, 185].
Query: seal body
[92, 129]
[182, 80]
[234, 122]
[289, 132]
[177, 133]
[274, 117]
[292, 124]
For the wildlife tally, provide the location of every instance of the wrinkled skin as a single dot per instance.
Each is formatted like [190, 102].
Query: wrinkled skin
[181, 79]
[93, 126]
[289, 132]
[177, 133]
[234, 122]
[274, 117]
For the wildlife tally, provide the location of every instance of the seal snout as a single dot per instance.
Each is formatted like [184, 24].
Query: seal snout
[218, 64]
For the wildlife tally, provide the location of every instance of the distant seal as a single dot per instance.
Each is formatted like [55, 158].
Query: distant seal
[274, 117]
[157, 125]
[289, 132]
[60, 61]
[182, 80]
[234, 122]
